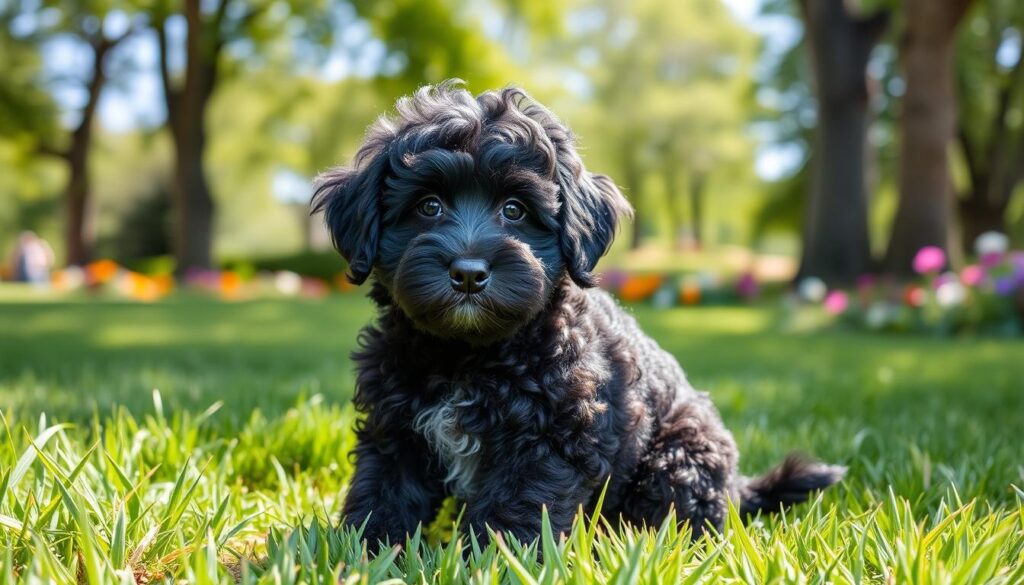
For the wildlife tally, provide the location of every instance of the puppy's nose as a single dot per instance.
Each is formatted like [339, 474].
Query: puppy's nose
[469, 275]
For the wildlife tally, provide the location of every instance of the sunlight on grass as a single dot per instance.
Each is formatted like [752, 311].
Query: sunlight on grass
[715, 320]
[247, 490]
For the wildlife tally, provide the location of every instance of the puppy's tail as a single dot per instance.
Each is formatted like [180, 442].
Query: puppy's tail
[791, 482]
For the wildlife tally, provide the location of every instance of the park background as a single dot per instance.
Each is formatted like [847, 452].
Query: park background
[828, 196]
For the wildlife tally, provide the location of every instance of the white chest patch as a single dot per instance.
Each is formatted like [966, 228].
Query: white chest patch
[459, 451]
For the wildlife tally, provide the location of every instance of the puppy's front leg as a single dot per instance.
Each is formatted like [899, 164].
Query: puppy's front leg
[393, 488]
[510, 498]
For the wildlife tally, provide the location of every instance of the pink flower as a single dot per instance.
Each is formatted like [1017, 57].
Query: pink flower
[972, 275]
[929, 259]
[837, 302]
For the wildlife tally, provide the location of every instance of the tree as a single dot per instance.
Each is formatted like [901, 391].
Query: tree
[426, 40]
[669, 92]
[90, 26]
[927, 124]
[835, 241]
[990, 129]
[28, 113]
[217, 36]
[208, 32]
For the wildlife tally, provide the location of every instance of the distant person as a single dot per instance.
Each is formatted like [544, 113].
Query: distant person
[32, 259]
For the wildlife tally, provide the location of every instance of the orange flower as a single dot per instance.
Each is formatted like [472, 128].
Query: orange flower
[65, 279]
[689, 294]
[100, 271]
[230, 284]
[145, 288]
[164, 284]
[914, 296]
[638, 288]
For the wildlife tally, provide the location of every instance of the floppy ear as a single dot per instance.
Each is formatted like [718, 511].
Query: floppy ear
[591, 209]
[592, 205]
[349, 198]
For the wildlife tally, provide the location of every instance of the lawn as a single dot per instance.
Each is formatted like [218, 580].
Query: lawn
[206, 441]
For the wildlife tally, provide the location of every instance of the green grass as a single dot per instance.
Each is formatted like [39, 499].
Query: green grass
[235, 468]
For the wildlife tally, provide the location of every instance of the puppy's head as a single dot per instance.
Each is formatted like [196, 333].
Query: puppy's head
[469, 210]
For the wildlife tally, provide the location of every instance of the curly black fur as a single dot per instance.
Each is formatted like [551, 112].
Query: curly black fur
[539, 389]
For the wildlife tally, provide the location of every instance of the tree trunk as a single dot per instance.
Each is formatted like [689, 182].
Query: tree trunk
[977, 216]
[670, 178]
[632, 177]
[697, 182]
[835, 242]
[993, 167]
[76, 194]
[927, 124]
[193, 202]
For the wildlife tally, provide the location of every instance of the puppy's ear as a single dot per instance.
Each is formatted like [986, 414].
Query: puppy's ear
[349, 198]
[592, 207]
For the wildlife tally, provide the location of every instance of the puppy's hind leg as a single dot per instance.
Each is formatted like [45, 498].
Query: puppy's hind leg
[691, 465]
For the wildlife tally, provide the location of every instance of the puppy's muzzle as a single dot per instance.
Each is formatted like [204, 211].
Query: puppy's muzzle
[469, 275]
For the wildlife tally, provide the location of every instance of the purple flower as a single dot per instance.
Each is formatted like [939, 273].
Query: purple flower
[929, 259]
[866, 281]
[613, 279]
[747, 286]
[1017, 261]
[944, 278]
[1004, 286]
[991, 259]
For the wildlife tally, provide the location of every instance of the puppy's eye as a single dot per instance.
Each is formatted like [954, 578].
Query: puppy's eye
[429, 207]
[513, 211]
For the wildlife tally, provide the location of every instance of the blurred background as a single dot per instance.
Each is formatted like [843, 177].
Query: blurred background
[764, 143]
[829, 237]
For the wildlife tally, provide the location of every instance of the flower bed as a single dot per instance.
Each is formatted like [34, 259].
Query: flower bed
[664, 291]
[109, 278]
[985, 297]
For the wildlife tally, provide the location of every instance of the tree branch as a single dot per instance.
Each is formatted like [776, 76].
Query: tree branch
[170, 94]
[47, 149]
[218, 18]
[957, 10]
[968, 147]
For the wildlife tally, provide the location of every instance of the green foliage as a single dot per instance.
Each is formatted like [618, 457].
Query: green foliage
[167, 486]
[670, 96]
[26, 109]
[433, 40]
[326, 265]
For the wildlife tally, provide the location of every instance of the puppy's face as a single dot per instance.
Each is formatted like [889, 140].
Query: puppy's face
[468, 254]
[469, 211]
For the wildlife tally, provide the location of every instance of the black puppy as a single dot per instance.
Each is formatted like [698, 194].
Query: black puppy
[495, 372]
